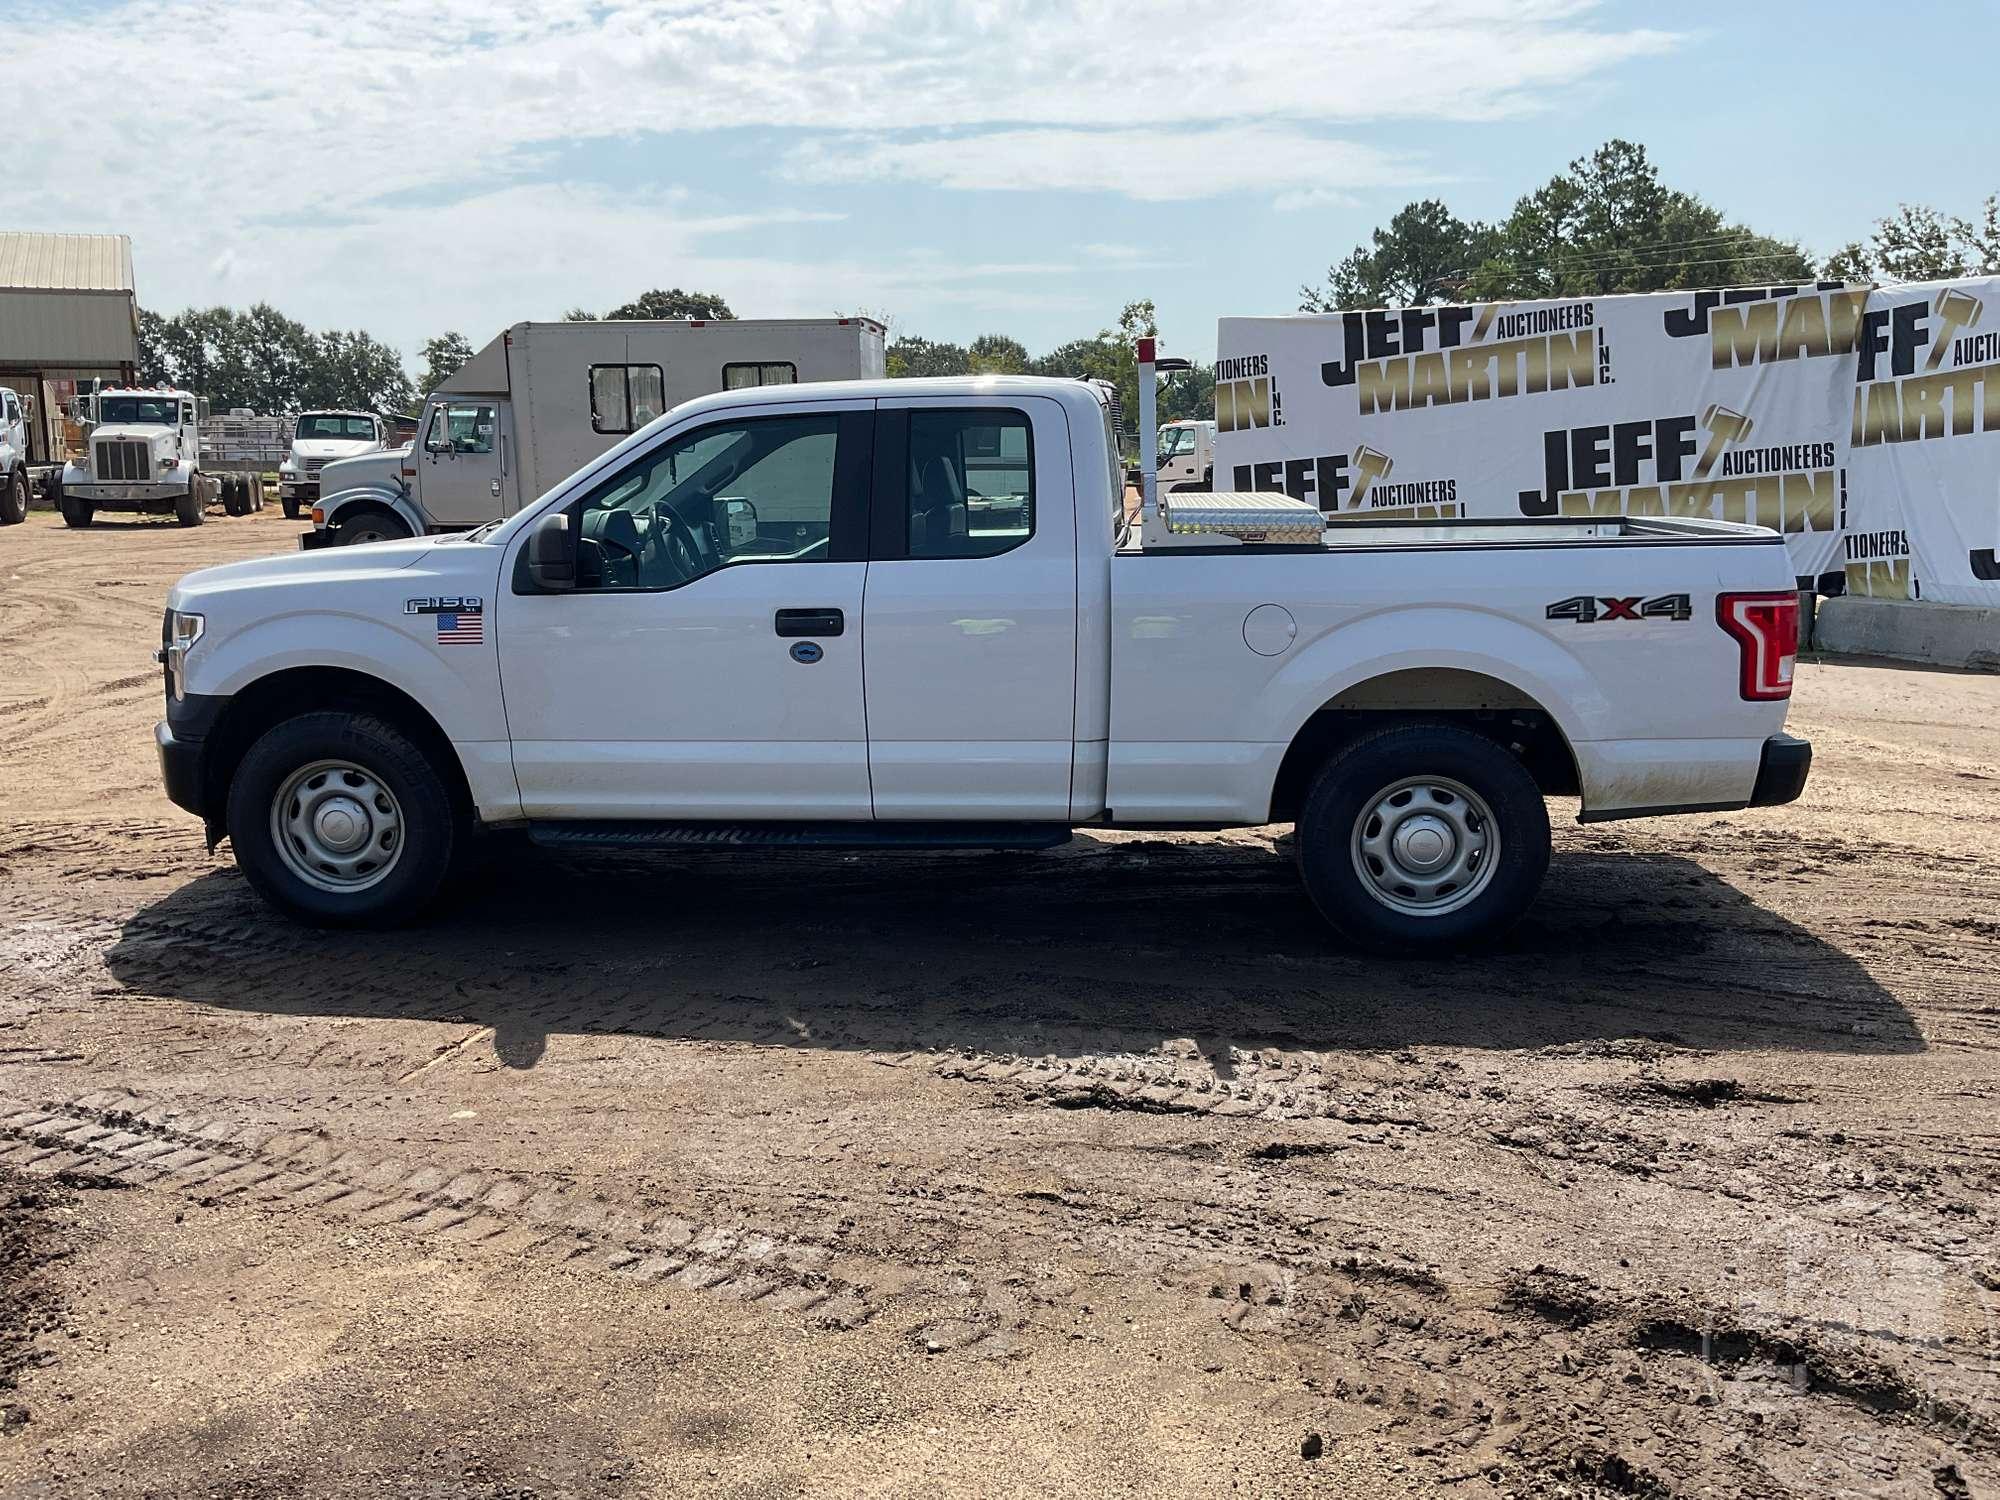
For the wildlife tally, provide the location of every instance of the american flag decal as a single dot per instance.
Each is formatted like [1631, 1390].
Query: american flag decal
[461, 630]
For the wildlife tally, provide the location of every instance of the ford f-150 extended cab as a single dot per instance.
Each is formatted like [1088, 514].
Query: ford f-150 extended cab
[921, 612]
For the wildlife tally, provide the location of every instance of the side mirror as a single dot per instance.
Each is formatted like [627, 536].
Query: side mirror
[551, 558]
[438, 439]
[737, 521]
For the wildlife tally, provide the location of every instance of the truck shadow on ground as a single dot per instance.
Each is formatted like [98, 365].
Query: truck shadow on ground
[1096, 948]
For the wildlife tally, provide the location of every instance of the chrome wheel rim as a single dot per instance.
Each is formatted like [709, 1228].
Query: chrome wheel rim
[337, 826]
[1426, 846]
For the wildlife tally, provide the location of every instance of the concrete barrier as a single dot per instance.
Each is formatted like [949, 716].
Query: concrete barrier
[1941, 635]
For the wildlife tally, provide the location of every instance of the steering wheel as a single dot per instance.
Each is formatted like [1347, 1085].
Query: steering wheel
[668, 540]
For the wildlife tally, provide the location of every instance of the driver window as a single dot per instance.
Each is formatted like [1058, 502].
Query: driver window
[461, 427]
[756, 491]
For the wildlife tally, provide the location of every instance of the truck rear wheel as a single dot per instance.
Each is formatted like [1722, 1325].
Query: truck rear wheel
[235, 502]
[76, 511]
[14, 499]
[340, 820]
[190, 506]
[371, 526]
[1423, 837]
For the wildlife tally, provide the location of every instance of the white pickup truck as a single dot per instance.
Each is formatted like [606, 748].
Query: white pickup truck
[921, 612]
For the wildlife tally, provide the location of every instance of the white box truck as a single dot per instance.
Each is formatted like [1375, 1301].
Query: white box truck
[544, 399]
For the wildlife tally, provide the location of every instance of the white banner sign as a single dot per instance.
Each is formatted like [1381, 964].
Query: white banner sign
[1856, 423]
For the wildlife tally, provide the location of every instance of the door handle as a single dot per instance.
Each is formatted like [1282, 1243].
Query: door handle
[797, 622]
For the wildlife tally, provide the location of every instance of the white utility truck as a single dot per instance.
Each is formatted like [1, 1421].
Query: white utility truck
[543, 399]
[142, 453]
[895, 613]
[13, 457]
[318, 439]
[1187, 456]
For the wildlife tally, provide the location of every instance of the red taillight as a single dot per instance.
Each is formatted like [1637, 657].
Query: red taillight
[1766, 628]
[1146, 348]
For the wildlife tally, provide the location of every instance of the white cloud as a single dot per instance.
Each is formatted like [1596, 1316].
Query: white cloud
[1164, 165]
[340, 160]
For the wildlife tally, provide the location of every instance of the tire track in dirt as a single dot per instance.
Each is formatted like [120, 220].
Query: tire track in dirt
[129, 1139]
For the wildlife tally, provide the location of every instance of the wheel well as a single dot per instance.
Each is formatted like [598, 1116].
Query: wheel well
[1470, 700]
[299, 690]
[356, 508]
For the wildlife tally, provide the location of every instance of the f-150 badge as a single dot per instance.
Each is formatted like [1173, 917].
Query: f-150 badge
[445, 604]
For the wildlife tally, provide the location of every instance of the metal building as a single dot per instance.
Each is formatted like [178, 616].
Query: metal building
[67, 314]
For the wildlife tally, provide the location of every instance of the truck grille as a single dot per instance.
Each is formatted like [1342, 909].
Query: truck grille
[314, 465]
[124, 460]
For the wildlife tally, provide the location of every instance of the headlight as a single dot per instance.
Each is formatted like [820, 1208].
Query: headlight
[181, 632]
[167, 464]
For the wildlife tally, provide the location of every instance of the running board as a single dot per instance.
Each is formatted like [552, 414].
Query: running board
[640, 836]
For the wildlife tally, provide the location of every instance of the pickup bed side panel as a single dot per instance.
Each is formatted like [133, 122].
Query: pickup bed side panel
[1202, 715]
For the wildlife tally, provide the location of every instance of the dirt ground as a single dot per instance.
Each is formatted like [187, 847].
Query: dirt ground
[1097, 1172]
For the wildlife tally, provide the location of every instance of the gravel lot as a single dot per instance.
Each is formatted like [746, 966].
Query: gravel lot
[1095, 1172]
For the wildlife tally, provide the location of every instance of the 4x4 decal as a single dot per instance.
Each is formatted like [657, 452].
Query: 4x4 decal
[1587, 609]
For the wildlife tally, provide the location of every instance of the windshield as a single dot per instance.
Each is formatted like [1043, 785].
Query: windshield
[1174, 441]
[322, 424]
[158, 410]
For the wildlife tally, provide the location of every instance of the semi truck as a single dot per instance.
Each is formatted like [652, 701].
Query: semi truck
[918, 613]
[542, 399]
[142, 454]
[13, 457]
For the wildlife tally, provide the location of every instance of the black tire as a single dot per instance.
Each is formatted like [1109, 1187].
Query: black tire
[235, 500]
[290, 503]
[256, 486]
[14, 499]
[1350, 788]
[75, 512]
[429, 831]
[190, 507]
[371, 525]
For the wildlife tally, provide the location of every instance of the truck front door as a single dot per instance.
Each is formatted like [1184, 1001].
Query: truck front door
[707, 664]
[461, 462]
[971, 617]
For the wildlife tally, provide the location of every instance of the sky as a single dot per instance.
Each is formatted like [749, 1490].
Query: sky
[952, 167]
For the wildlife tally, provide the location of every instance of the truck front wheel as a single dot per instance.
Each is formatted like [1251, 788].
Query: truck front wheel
[371, 526]
[1423, 837]
[14, 499]
[76, 511]
[190, 506]
[340, 820]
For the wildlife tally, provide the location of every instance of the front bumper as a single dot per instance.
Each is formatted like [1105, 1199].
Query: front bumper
[300, 488]
[124, 492]
[182, 739]
[318, 537]
[1782, 771]
[181, 768]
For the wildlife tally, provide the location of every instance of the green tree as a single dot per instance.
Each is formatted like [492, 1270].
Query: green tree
[579, 315]
[444, 356]
[268, 362]
[353, 369]
[674, 303]
[154, 368]
[1606, 225]
[997, 354]
[1917, 243]
[910, 358]
[1425, 254]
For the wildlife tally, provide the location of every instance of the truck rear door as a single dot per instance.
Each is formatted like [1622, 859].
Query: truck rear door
[970, 610]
